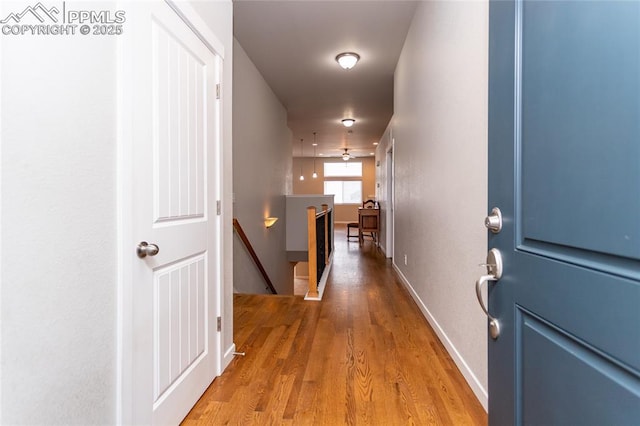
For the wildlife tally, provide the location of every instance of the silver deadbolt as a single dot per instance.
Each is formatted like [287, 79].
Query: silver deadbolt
[493, 222]
[494, 272]
[145, 249]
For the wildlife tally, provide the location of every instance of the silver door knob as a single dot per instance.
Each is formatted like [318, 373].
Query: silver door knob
[493, 222]
[494, 272]
[145, 249]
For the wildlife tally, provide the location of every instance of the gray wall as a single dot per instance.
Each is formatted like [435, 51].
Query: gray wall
[261, 178]
[440, 154]
[58, 229]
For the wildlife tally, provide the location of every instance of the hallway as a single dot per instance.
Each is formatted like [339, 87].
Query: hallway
[364, 355]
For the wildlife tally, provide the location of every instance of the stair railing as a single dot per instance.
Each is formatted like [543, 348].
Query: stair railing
[254, 256]
[319, 245]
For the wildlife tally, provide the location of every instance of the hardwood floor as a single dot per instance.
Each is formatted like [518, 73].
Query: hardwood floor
[364, 355]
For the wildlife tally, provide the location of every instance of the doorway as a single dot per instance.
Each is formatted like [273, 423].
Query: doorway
[390, 202]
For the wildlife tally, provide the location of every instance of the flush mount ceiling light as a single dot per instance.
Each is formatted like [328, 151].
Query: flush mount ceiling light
[348, 60]
[348, 122]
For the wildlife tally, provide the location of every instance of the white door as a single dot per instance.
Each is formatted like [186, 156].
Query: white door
[175, 151]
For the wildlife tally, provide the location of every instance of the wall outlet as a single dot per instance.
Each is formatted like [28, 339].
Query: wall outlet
[405, 260]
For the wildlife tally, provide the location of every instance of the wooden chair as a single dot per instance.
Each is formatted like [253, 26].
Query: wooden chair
[355, 225]
[350, 226]
[369, 204]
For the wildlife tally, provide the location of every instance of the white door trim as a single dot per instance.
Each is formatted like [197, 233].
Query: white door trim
[390, 196]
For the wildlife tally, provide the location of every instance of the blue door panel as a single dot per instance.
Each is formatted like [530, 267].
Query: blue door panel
[596, 307]
[567, 383]
[564, 168]
[580, 120]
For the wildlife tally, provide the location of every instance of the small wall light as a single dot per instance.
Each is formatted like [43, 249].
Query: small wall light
[270, 221]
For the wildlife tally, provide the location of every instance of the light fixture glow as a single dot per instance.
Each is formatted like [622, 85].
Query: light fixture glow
[348, 122]
[315, 144]
[270, 221]
[375, 144]
[348, 60]
[345, 156]
[301, 160]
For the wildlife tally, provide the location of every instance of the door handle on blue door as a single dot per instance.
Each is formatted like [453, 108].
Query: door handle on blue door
[494, 272]
[493, 222]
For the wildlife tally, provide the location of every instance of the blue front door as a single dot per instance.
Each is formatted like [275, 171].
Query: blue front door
[564, 168]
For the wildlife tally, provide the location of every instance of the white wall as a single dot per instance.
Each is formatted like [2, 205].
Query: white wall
[58, 227]
[261, 178]
[440, 153]
[58, 294]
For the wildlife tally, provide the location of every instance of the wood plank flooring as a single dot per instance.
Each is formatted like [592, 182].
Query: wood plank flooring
[364, 355]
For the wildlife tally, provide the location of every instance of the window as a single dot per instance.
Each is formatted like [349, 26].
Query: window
[344, 169]
[345, 191]
[344, 180]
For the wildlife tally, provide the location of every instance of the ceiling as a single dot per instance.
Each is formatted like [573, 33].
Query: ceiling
[294, 44]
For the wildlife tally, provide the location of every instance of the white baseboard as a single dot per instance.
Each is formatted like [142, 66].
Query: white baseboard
[477, 388]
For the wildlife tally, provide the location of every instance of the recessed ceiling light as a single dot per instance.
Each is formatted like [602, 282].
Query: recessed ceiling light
[348, 122]
[348, 60]
[375, 144]
[372, 153]
[321, 154]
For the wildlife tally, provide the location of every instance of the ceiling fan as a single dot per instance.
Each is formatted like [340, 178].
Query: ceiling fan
[346, 155]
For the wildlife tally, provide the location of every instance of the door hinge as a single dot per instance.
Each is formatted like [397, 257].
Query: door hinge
[218, 91]
[219, 207]
[219, 323]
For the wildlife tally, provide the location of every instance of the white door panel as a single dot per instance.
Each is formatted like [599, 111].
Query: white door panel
[175, 146]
